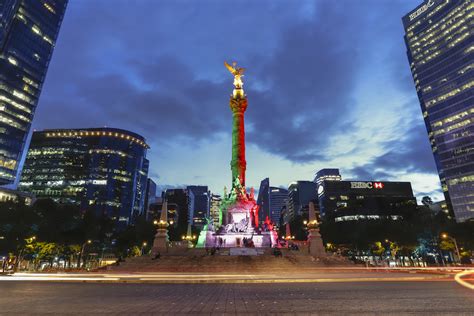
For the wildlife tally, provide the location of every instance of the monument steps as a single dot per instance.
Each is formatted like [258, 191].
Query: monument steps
[290, 261]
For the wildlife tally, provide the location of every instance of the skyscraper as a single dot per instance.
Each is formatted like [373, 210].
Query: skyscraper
[328, 174]
[214, 208]
[103, 170]
[198, 199]
[365, 200]
[270, 201]
[150, 194]
[28, 32]
[300, 193]
[439, 38]
[177, 199]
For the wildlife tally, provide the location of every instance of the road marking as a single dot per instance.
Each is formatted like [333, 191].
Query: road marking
[458, 278]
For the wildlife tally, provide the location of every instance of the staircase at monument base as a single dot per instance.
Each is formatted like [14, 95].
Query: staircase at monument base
[291, 261]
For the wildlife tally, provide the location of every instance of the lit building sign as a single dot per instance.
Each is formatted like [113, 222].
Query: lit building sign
[421, 9]
[99, 182]
[367, 185]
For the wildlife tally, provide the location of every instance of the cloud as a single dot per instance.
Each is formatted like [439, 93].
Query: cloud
[327, 85]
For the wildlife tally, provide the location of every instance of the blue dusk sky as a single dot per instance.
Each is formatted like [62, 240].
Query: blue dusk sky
[328, 85]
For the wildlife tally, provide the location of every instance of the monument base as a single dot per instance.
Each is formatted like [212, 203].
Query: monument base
[316, 247]
[243, 252]
[236, 240]
[160, 243]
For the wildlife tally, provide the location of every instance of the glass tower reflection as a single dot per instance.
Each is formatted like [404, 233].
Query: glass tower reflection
[440, 46]
[104, 170]
[28, 32]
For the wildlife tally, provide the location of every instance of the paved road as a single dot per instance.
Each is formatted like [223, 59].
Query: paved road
[321, 275]
[398, 297]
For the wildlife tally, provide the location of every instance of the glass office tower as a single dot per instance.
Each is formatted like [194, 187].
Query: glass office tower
[28, 31]
[270, 201]
[440, 45]
[103, 170]
[198, 209]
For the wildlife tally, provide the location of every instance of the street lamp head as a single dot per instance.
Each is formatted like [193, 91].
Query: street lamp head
[89, 241]
[155, 222]
[444, 235]
[144, 243]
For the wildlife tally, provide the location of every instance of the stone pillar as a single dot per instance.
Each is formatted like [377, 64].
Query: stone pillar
[160, 244]
[238, 163]
[316, 247]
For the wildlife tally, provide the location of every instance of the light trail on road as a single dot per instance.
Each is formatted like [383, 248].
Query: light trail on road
[334, 277]
[459, 278]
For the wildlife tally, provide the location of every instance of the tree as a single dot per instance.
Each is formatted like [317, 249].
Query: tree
[378, 249]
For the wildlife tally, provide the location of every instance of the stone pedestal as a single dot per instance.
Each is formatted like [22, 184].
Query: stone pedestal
[160, 244]
[316, 247]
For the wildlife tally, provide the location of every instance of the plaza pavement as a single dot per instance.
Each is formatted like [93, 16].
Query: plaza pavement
[428, 297]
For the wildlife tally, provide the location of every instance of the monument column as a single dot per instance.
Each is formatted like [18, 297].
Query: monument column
[238, 163]
[238, 105]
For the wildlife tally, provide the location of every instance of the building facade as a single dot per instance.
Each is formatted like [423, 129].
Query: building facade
[198, 207]
[214, 209]
[8, 195]
[103, 169]
[300, 193]
[178, 199]
[150, 195]
[365, 200]
[28, 32]
[439, 40]
[328, 174]
[270, 201]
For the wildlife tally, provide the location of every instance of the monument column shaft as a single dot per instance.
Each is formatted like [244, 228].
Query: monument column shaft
[238, 163]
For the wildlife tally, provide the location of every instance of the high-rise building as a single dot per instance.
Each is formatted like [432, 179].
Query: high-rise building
[263, 200]
[8, 195]
[439, 40]
[366, 200]
[150, 194]
[28, 32]
[300, 193]
[198, 207]
[214, 209]
[328, 174]
[178, 199]
[104, 170]
[270, 201]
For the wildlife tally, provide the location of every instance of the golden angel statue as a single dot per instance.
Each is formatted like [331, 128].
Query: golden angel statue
[237, 72]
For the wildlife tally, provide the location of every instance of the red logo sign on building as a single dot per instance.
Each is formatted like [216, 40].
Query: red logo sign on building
[378, 185]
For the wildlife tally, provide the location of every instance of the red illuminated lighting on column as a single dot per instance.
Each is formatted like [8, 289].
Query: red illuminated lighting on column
[378, 185]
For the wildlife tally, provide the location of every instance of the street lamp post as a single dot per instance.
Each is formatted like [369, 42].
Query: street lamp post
[446, 236]
[81, 254]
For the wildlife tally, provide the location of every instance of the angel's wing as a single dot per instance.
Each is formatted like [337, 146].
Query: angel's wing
[230, 68]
